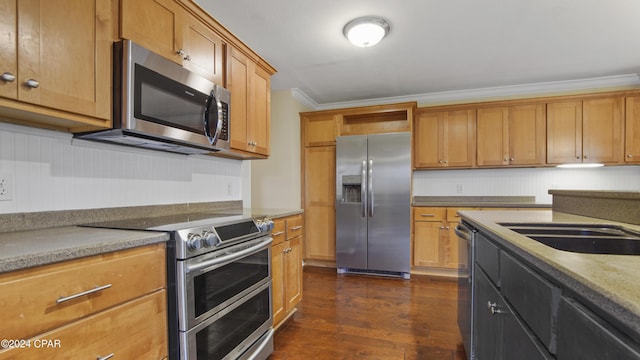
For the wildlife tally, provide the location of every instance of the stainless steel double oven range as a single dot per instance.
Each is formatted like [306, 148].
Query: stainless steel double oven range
[218, 284]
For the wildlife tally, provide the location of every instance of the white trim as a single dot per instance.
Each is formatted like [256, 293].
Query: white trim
[616, 81]
[304, 98]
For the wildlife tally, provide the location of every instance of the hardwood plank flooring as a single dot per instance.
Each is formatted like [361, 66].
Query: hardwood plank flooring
[367, 317]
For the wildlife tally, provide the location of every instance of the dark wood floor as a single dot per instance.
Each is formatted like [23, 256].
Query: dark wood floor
[366, 317]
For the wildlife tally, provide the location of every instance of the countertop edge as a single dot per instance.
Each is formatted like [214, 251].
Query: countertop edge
[78, 242]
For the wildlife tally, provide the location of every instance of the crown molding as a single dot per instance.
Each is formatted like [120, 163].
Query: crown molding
[605, 82]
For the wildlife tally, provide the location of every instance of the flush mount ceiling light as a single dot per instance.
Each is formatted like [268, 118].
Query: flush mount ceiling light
[366, 31]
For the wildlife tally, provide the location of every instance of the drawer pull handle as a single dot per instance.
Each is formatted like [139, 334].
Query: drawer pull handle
[428, 215]
[277, 233]
[494, 308]
[296, 228]
[75, 296]
[105, 357]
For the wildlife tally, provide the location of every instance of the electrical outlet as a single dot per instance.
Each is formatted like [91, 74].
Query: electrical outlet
[459, 188]
[6, 187]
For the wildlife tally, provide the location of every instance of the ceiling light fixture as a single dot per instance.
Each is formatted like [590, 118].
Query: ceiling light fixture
[366, 31]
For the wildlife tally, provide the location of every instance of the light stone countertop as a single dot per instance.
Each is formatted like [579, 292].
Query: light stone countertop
[607, 281]
[23, 249]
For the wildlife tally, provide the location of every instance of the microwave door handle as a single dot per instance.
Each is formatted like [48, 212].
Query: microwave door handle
[212, 100]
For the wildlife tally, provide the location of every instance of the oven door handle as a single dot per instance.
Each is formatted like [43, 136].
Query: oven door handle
[229, 257]
[266, 341]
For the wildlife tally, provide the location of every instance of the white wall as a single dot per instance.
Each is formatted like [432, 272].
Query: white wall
[276, 181]
[523, 182]
[51, 171]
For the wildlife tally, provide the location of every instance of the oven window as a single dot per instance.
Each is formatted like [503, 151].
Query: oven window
[164, 101]
[213, 288]
[225, 334]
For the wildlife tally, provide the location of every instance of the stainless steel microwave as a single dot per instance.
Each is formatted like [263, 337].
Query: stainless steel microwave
[160, 105]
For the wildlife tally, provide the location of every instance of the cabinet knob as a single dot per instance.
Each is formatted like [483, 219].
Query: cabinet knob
[586, 156]
[32, 83]
[511, 159]
[578, 157]
[629, 155]
[187, 58]
[8, 77]
[181, 52]
[445, 161]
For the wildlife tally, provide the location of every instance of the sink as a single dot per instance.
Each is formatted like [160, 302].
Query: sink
[591, 244]
[581, 238]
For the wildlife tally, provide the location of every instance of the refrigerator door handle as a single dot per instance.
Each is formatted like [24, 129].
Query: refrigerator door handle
[363, 188]
[370, 188]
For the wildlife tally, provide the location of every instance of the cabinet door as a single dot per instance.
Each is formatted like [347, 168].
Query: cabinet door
[320, 130]
[426, 247]
[453, 259]
[487, 327]
[278, 280]
[238, 78]
[205, 52]
[632, 130]
[564, 132]
[493, 136]
[155, 24]
[293, 290]
[583, 335]
[319, 202]
[427, 140]
[259, 110]
[602, 135]
[527, 135]
[459, 140]
[70, 60]
[8, 49]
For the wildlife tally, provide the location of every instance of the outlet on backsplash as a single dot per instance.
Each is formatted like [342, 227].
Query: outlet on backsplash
[459, 189]
[6, 187]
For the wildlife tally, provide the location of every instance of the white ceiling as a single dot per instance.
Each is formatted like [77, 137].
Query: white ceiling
[437, 46]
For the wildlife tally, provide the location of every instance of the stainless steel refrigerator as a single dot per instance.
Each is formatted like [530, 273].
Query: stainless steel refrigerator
[373, 199]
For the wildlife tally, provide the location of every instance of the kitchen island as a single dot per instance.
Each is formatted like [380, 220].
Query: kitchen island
[602, 286]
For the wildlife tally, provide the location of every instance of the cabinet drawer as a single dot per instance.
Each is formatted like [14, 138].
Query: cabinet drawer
[294, 226]
[488, 258]
[30, 297]
[533, 298]
[278, 232]
[133, 330]
[583, 335]
[429, 214]
[452, 213]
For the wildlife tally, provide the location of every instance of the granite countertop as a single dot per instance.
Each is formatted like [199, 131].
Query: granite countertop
[33, 247]
[479, 201]
[23, 249]
[605, 280]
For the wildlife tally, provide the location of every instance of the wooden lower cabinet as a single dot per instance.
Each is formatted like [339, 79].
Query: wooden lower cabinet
[286, 264]
[124, 315]
[435, 244]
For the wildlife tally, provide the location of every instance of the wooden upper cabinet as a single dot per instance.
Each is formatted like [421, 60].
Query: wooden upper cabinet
[602, 130]
[8, 49]
[166, 28]
[250, 108]
[320, 130]
[204, 51]
[632, 130]
[585, 131]
[50, 61]
[444, 139]
[511, 136]
[157, 25]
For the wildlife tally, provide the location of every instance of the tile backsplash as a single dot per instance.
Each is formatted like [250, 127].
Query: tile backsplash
[523, 181]
[50, 170]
